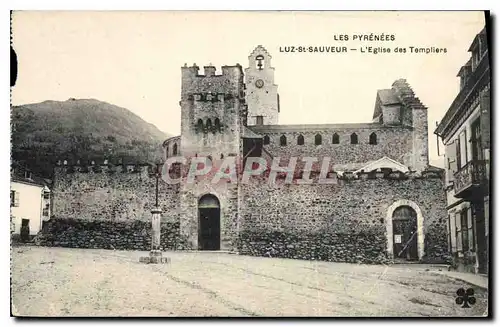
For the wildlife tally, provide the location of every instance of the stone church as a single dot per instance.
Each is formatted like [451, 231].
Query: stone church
[387, 200]
[387, 203]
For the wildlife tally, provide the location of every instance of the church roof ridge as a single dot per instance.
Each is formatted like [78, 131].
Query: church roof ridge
[314, 127]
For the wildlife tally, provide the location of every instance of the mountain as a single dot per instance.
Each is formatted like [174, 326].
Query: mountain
[80, 129]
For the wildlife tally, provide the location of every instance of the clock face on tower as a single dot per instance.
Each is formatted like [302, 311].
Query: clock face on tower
[259, 83]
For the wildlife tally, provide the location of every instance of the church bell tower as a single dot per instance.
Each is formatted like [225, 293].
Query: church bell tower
[261, 93]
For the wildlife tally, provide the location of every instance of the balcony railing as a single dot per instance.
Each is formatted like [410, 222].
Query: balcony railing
[471, 179]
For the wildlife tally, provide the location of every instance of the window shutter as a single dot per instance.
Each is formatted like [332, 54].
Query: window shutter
[16, 199]
[451, 157]
[463, 149]
[458, 222]
[485, 120]
[470, 227]
[458, 231]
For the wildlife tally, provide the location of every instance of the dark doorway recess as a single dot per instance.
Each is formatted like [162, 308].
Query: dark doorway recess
[404, 231]
[209, 223]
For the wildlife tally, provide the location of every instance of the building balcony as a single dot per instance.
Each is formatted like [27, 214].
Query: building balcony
[471, 180]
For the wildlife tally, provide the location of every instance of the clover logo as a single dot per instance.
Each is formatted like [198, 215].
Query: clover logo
[465, 298]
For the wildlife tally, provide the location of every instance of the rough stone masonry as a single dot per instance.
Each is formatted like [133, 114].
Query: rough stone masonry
[387, 203]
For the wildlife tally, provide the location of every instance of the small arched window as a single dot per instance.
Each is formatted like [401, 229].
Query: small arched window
[266, 140]
[208, 126]
[259, 62]
[199, 126]
[373, 138]
[217, 125]
[317, 139]
[354, 138]
[174, 149]
[283, 140]
[335, 138]
[166, 151]
[300, 140]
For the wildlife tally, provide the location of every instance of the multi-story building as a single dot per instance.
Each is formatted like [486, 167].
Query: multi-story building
[29, 205]
[465, 132]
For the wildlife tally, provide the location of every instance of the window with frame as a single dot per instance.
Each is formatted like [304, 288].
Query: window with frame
[476, 145]
[465, 231]
[46, 210]
[259, 120]
[451, 156]
[458, 232]
[449, 233]
[462, 149]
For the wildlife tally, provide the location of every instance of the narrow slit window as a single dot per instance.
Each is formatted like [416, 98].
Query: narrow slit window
[208, 126]
[199, 125]
[217, 125]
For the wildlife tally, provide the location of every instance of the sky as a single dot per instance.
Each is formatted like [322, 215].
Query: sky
[134, 59]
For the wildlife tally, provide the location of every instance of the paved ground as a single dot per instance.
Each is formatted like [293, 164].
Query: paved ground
[78, 282]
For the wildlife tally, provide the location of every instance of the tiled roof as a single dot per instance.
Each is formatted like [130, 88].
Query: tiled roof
[34, 180]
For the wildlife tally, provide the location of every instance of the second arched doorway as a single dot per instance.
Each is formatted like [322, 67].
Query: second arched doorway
[404, 229]
[209, 223]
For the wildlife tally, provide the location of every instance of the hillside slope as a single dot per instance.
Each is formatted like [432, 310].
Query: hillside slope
[84, 129]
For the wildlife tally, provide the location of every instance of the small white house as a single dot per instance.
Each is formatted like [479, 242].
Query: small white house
[29, 204]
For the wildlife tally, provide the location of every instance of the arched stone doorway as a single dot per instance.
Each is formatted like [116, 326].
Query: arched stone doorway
[208, 223]
[405, 231]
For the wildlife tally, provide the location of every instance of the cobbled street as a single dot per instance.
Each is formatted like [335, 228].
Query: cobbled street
[90, 282]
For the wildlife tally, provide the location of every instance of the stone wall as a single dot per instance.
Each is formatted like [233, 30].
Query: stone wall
[393, 142]
[340, 222]
[226, 193]
[114, 193]
[119, 235]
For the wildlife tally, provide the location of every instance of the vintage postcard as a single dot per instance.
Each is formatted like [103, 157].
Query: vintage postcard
[250, 164]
